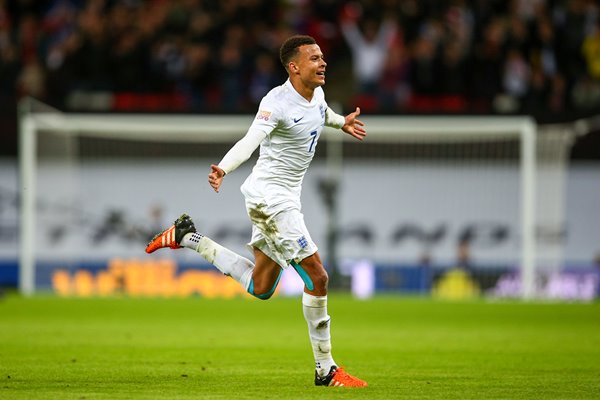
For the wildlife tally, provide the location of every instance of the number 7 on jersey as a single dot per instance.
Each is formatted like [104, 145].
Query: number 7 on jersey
[312, 143]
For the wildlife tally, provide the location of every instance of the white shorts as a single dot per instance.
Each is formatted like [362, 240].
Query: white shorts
[280, 234]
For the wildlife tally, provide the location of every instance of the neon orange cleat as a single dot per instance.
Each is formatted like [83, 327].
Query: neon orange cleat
[339, 377]
[172, 236]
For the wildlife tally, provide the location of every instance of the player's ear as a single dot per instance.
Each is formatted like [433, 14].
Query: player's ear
[293, 67]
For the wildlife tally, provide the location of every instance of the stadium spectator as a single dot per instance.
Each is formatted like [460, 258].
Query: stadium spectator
[453, 73]
[232, 70]
[9, 70]
[516, 74]
[263, 78]
[198, 80]
[370, 44]
[423, 69]
[487, 63]
[58, 49]
[591, 51]
[394, 85]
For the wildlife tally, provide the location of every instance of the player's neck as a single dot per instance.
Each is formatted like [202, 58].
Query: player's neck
[305, 91]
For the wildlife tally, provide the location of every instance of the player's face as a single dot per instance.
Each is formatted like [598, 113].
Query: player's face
[311, 65]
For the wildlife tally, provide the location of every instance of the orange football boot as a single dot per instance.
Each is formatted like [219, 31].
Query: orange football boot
[338, 377]
[172, 236]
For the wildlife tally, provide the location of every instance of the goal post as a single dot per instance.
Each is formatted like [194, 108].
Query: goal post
[36, 119]
[457, 129]
[27, 175]
[166, 137]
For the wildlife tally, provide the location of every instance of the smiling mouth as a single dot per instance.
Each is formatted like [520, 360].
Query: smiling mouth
[322, 73]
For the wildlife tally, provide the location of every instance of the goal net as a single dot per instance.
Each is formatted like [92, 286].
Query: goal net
[430, 204]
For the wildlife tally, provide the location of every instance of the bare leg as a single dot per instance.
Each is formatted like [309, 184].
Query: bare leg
[265, 276]
[260, 278]
[313, 266]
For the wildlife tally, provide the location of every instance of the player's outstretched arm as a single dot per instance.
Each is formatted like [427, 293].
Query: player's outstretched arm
[215, 178]
[353, 126]
[238, 154]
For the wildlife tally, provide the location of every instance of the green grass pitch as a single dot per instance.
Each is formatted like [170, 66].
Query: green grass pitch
[406, 348]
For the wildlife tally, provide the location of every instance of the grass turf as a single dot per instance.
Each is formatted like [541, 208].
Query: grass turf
[122, 348]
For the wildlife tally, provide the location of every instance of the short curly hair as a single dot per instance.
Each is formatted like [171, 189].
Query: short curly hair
[289, 48]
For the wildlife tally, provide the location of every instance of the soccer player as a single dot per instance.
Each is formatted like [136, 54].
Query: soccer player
[287, 127]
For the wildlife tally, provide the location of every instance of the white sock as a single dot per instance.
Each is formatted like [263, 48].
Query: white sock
[315, 313]
[226, 261]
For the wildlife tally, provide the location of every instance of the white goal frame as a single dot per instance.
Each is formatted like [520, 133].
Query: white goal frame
[205, 128]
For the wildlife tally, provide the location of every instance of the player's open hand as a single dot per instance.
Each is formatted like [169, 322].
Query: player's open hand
[215, 178]
[354, 126]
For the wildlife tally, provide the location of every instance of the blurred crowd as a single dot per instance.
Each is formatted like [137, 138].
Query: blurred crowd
[540, 57]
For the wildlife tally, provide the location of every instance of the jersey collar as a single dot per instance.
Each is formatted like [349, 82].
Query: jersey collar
[297, 95]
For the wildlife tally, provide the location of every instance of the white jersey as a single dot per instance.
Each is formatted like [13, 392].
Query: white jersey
[292, 126]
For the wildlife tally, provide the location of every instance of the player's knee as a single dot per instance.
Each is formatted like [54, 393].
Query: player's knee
[320, 279]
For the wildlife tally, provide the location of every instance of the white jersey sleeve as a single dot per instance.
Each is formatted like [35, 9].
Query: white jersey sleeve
[263, 125]
[334, 120]
[242, 150]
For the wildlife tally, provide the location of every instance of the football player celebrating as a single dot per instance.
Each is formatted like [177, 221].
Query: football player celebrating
[287, 128]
